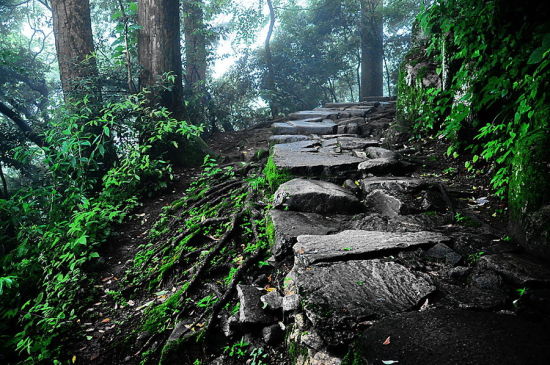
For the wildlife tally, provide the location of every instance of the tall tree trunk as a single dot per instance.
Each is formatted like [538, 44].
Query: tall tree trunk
[269, 61]
[5, 193]
[372, 52]
[195, 43]
[159, 50]
[74, 44]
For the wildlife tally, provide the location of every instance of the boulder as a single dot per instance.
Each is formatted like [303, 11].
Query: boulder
[520, 269]
[315, 196]
[444, 253]
[301, 127]
[337, 295]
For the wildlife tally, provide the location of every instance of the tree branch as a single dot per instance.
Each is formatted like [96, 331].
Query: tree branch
[22, 125]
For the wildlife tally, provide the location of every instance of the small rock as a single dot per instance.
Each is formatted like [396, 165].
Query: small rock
[230, 326]
[291, 302]
[312, 340]
[250, 311]
[459, 272]
[443, 252]
[273, 300]
[379, 165]
[384, 204]
[486, 280]
[323, 358]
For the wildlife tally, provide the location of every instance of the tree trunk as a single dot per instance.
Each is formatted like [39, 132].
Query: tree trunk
[159, 50]
[372, 52]
[270, 81]
[5, 194]
[74, 44]
[195, 43]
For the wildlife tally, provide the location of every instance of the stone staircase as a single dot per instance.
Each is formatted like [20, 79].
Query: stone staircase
[369, 239]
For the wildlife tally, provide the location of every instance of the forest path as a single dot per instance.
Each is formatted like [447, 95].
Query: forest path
[396, 250]
[392, 253]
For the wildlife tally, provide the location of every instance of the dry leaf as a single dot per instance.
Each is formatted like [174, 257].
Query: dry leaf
[106, 320]
[73, 359]
[387, 342]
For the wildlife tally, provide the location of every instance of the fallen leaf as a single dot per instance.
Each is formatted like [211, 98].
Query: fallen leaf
[268, 289]
[387, 342]
[73, 359]
[106, 320]
[389, 362]
[89, 338]
[131, 303]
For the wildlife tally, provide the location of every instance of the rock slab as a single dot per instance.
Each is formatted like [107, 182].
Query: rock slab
[346, 245]
[315, 196]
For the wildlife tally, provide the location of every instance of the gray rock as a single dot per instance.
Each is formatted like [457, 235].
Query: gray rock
[379, 165]
[291, 302]
[306, 114]
[301, 127]
[399, 184]
[324, 358]
[345, 245]
[315, 196]
[378, 152]
[356, 143]
[272, 300]
[230, 326]
[285, 138]
[472, 297]
[459, 272]
[400, 223]
[520, 269]
[378, 201]
[486, 280]
[312, 340]
[443, 252]
[304, 159]
[273, 334]
[289, 225]
[337, 295]
[250, 311]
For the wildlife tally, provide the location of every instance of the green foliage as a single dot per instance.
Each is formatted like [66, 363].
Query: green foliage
[496, 87]
[275, 176]
[61, 225]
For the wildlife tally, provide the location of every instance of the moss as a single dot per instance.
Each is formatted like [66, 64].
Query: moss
[529, 189]
[157, 318]
[274, 175]
[295, 351]
[270, 230]
[354, 357]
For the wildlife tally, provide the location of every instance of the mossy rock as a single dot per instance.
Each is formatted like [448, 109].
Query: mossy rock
[529, 194]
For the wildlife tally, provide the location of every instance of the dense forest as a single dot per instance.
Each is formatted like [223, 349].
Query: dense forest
[145, 194]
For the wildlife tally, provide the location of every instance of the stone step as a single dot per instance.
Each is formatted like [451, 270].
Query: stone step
[311, 158]
[306, 114]
[315, 196]
[346, 245]
[301, 127]
[398, 196]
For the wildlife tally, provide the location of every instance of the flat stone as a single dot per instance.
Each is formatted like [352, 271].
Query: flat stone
[289, 225]
[301, 127]
[346, 245]
[353, 143]
[443, 252]
[379, 165]
[338, 295]
[456, 337]
[307, 114]
[315, 196]
[379, 152]
[520, 269]
[287, 138]
[399, 184]
[250, 310]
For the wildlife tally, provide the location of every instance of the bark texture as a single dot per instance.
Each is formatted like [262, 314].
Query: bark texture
[195, 43]
[159, 50]
[75, 48]
[372, 48]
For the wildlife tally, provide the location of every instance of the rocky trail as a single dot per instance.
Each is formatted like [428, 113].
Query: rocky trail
[381, 253]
